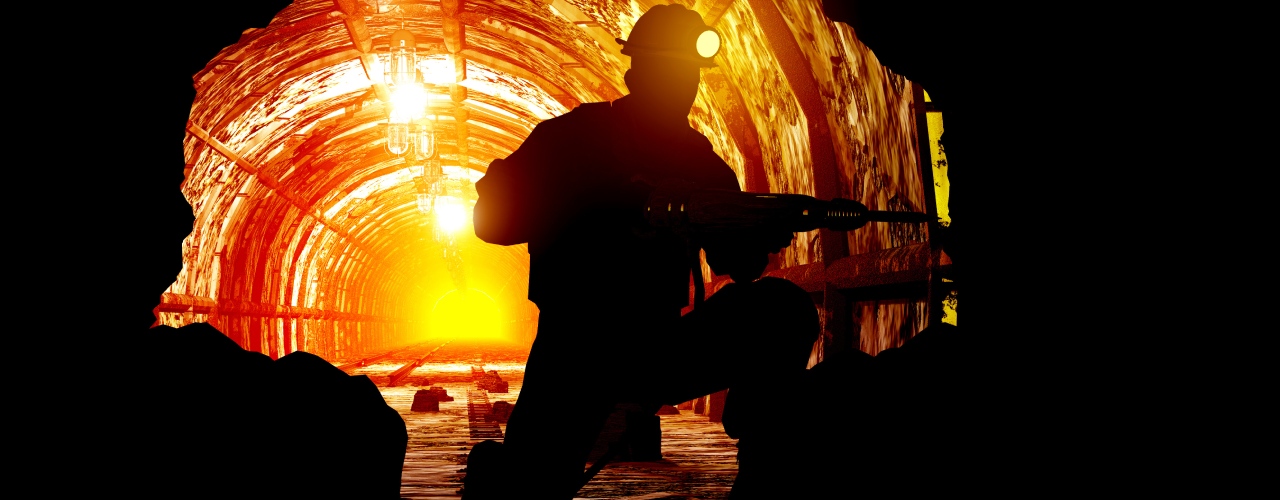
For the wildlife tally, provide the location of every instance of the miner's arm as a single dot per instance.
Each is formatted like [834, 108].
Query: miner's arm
[742, 255]
[499, 193]
[514, 201]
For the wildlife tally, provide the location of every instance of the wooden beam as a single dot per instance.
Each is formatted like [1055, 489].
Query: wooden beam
[451, 8]
[268, 181]
[236, 111]
[221, 148]
[359, 33]
[905, 265]
[800, 77]
[909, 263]
[454, 34]
[726, 97]
[502, 64]
[826, 176]
[711, 10]
[568, 57]
[592, 28]
[347, 7]
[219, 66]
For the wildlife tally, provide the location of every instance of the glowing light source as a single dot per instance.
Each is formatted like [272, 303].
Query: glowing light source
[450, 214]
[409, 99]
[407, 103]
[398, 138]
[708, 43]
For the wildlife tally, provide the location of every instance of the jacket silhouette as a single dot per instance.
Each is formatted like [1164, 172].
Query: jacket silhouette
[610, 288]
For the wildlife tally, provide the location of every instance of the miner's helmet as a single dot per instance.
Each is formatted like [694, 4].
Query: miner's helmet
[673, 31]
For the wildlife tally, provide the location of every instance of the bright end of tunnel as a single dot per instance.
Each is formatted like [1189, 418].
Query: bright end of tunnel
[467, 315]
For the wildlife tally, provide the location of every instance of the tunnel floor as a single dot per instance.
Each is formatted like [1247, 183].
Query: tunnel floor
[698, 458]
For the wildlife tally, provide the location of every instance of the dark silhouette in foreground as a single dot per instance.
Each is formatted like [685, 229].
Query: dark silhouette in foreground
[876, 425]
[185, 413]
[207, 419]
[574, 191]
[768, 466]
[153, 448]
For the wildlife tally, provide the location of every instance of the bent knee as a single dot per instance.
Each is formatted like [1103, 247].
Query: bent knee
[770, 306]
[780, 297]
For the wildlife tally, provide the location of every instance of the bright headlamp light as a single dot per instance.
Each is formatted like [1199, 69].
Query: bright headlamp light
[708, 43]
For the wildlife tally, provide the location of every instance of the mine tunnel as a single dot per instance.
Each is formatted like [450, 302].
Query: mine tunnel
[331, 158]
[332, 154]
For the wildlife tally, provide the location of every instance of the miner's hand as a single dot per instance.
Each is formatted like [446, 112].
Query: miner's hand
[745, 256]
[776, 239]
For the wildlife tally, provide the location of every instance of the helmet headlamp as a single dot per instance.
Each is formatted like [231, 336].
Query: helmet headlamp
[673, 31]
[708, 43]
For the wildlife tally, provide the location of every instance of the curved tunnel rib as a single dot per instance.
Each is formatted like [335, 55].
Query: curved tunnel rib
[307, 232]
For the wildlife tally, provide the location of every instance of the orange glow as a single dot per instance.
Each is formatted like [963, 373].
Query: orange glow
[407, 103]
[464, 368]
[438, 70]
[451, 215]
[285, 139]
[470, 315]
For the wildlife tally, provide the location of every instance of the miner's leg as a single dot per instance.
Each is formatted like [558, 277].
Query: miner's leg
[740, 333]
[553, 424]
[548, 440]
[770, 325]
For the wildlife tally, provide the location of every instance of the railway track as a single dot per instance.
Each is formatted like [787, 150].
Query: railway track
[699, 459]
[397, 377]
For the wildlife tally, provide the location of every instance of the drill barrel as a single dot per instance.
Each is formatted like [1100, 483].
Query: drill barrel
[715, 210]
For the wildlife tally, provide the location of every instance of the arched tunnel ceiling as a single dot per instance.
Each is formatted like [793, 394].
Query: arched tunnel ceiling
[300, 206]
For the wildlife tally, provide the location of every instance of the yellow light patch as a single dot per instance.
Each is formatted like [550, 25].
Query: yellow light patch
[469, 315]
[407, 103]
[708, 43]
[450, 214]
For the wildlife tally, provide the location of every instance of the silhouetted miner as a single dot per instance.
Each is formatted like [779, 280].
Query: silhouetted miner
[610, 289]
